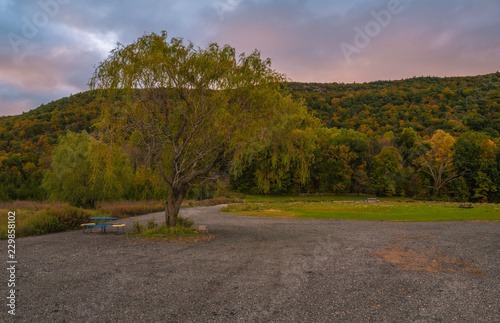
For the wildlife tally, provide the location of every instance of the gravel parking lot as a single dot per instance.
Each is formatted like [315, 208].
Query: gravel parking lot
[263, 270]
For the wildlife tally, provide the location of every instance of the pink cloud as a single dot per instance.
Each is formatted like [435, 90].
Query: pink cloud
[29, 75]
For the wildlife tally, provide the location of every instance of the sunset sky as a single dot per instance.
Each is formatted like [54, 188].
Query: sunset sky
[49, 48]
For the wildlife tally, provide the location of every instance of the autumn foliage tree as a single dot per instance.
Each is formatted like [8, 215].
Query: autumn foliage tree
[477, 157]
[438, 161]
[190, 108]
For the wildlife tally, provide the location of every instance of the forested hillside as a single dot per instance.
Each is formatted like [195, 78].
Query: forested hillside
[380, 138]
[27, 140]
[425, 104]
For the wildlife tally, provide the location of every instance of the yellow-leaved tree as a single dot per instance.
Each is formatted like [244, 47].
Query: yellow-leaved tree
[191, 108]
[438, 160]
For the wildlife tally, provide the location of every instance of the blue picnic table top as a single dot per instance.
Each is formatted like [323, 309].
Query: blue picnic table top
[102, 222]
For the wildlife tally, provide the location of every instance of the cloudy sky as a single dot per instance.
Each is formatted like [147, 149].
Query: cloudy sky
[49, 48]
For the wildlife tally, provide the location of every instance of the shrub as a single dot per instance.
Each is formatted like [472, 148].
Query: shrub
[184, 222]
[151, 224]
[70, 216]
[40, 218]
[40, 223]
[47, 224]
[137, 227]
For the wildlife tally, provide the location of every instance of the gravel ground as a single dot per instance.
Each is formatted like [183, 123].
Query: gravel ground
[263, 270]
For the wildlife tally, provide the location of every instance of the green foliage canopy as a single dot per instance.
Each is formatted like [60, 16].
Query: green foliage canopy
[189, 109]
[85, 171]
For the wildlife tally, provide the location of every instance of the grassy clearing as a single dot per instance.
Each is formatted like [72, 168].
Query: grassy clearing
[381, 211]
[303, 198]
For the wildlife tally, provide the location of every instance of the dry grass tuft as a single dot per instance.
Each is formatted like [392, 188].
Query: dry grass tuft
[30, 205]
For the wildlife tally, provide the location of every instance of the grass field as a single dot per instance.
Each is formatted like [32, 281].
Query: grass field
[341, 208]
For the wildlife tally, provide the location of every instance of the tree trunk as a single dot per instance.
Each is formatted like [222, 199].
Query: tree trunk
[172, 205]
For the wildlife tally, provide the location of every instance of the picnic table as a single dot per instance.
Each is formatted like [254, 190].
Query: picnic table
[102, 223]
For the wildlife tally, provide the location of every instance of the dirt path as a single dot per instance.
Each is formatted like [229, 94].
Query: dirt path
[263, 270]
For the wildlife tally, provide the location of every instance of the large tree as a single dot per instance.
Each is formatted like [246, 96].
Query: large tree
[189, 108]
[438, 160]
[476, 156]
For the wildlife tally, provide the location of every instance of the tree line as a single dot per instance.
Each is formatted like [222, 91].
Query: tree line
[464, 168]
[422, 137]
